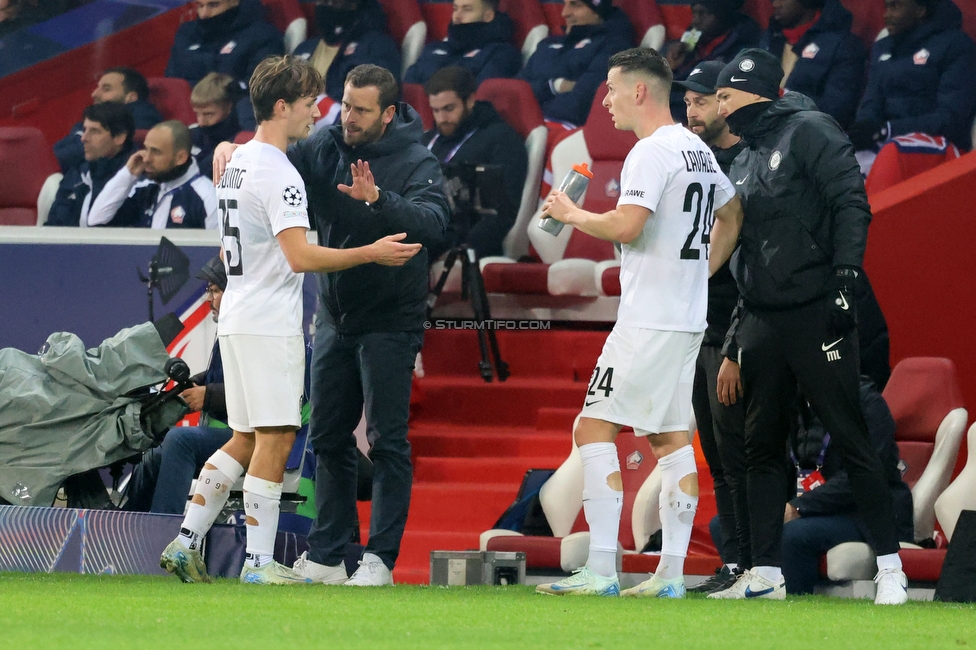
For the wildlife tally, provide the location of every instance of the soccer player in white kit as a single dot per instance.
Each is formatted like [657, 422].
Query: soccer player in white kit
[677, 220]
[264, 220]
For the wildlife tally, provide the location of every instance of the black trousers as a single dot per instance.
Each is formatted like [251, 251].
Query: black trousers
[721, 431]
[780, 350]
[349, 374]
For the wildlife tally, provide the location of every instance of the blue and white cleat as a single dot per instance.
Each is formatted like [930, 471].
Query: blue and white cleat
[656, 587]
[583, 582]
[273, 574]
[185, 564]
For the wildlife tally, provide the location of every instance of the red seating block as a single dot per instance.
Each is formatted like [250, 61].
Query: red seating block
[282, 13]
[643, 15]
[514, 101]
[526, 14]
[25, 163]
[553, 11]
[401, 15]
[868, 19]
[532, 279]
[414, 95]
[437, 15]
[172, 98]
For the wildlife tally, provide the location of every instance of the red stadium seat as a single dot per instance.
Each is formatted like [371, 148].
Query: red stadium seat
[437, 15]
[406, 25]
[561, 499]
[649, 29]
[968, 8]
[676, 17]
[139, 137]
[530, 24]
[289, 18]
[172, 98]
[926, 403]
[243, 137]
[553, 11]
[868, 19]
[905, 157]
[414, 95]
[25, 163]
[760, 11]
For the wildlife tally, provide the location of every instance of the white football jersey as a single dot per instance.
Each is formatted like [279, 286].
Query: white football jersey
[664, 271]
[259, 195]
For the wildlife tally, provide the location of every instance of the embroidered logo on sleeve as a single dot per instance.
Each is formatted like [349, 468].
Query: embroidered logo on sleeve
[292, 196]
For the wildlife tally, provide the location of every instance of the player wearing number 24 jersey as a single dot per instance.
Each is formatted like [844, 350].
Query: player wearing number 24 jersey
[677, 219]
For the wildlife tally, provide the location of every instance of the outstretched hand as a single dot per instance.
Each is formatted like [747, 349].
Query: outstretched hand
[363, 186]
[390, 252]
[221, 157]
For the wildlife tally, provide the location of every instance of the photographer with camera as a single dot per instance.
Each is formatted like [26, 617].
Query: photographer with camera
[469, 132]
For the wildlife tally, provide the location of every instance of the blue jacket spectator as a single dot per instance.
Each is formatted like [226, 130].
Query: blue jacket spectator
[718, 31]
[565, 71]
[821, 57]
[119, 85]
[107, 142]
[213, 100]
[921, 77]
[479, 39]
[353, 35]
[232, 39]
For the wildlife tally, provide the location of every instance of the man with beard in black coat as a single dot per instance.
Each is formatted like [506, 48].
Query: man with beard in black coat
[472, 131]
[801, 250]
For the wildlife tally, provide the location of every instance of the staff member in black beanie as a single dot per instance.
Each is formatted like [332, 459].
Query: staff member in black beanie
[801, 248]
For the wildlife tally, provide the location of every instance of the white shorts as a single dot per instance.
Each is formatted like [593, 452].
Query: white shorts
[644, 379]
[264, 377]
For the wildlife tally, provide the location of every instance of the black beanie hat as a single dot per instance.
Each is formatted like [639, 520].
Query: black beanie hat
[754, 71]
[601, 7]
[213, 271]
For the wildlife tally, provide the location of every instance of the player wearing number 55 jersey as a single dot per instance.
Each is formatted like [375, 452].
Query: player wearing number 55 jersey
[677, 219]
[264, 221]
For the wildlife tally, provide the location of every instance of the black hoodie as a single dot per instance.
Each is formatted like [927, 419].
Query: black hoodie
[374, 298]
[483, 48]
[805, 208]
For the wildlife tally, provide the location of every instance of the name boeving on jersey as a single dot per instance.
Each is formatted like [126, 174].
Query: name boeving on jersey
[233, 178]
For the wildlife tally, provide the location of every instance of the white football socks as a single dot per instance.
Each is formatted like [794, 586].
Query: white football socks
[262, 500]
[213, 487]
[889, 561]
[603, 500]
[677, 510]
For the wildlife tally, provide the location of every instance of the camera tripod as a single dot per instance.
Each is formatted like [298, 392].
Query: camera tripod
[473, 289]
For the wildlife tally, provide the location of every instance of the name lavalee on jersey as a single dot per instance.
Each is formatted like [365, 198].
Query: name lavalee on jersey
[699, 161]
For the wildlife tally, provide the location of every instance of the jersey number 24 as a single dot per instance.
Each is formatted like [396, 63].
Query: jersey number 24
[696, 200]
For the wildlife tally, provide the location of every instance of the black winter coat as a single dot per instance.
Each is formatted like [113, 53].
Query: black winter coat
[924, 80]
[70, 152]
[722, 292]
[485, 49]
[370, 297]
[830, 67]
[805, 207]
[232, 43]
[579, 56]
[80, 181]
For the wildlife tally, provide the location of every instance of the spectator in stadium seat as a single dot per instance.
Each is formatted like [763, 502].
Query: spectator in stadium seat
[229, 36]
[119, 85]
[213, 101]
[821, 57]
[717, 32]
[159, 187]
[479, 38]
[565, 71]
[352, 33]
[921, 78]
[107, 142]
[472, 131]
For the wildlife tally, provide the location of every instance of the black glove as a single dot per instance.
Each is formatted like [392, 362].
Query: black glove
[866, 134]
[840, 292]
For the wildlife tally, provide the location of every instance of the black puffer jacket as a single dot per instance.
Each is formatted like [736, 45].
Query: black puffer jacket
[804, 202]
[370, 297]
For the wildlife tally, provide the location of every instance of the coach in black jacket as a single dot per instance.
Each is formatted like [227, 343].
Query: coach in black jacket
[801, 249]
[370, 323]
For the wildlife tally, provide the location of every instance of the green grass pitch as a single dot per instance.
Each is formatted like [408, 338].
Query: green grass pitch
[122, 612]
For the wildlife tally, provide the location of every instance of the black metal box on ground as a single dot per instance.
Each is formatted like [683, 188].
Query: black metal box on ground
[459, 568]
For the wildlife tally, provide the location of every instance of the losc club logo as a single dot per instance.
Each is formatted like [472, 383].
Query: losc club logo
[292, 196]
[634, 460]
[775, 160]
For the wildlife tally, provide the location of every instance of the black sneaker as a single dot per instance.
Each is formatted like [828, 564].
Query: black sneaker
[723, 579]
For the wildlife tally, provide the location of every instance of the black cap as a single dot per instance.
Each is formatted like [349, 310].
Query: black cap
[702, 79]
[603, 8]
[753, 71]
[213, 271]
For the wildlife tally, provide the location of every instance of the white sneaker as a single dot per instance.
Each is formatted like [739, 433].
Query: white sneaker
[656, 587]
[892, 587]
[371, 573]
[752, 585]
[583, 582]
[320, 573]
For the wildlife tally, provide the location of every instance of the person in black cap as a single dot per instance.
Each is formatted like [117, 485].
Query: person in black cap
[161, 481]
[800, 252]
[721, 428]
[566, 69]
[717, 32]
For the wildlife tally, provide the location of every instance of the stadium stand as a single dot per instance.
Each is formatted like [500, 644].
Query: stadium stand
[289, 18]
[437, 15]
[901, 159]
[530, 24]
[414, 95]
[25, 164]
[407, 27]
[649, 29]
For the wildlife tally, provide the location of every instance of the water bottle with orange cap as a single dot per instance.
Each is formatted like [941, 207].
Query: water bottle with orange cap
[574, 185]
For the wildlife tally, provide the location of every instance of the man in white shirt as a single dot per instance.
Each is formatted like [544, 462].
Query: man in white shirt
[675, 204]
[159, 187]
[264, 221]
